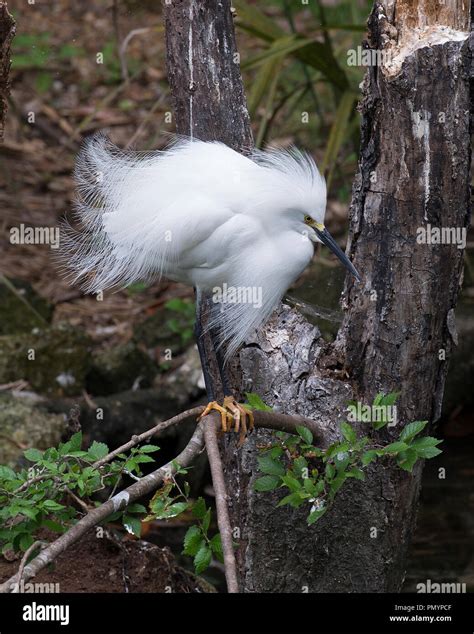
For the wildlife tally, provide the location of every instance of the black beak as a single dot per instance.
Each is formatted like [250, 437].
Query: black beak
[327, 239]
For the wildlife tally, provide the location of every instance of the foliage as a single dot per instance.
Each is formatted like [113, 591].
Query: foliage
[45, 494]
[311, 475]
[173, 500]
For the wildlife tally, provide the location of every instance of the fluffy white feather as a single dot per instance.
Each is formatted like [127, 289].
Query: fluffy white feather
[199, 213]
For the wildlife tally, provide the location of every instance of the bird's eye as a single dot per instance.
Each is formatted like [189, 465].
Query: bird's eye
[307, 219]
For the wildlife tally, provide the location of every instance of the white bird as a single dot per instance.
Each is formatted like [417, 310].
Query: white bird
[239, 229]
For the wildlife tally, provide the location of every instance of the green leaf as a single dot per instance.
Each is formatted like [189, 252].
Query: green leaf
[407, 459]
[348, 432]
[315, 515]
[256, 402]
[330, 470]
[389, 399]
[356, 473]
[412, 430]
[426, 447]
[76, 441]
[136, 508]
[98, 450]
[51, 505]
[292, 483]
[216, 547]
[132, 525]
[270, 466]
[266, 483]
[202, 559]
[33, 455]
[293, 499]
[173, 510]
[310, 486]
[7, 474]
[193, 540]
[206, 521]
[149, 448]
[305, 434]
[199, 508]
[368, 457]
[25, 541]
[395, 448]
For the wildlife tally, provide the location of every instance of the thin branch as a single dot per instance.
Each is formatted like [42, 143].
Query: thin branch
[99, 514]
[211, 425]
[135, 440]
[24, 559]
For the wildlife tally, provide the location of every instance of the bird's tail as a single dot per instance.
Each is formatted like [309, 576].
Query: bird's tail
[115, 244]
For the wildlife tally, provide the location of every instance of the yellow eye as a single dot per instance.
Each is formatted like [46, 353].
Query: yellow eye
[307, 219]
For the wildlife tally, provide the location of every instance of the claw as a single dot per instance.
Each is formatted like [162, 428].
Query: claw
[233, 417]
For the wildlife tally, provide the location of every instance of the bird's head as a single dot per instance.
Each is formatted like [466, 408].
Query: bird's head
[319, 233]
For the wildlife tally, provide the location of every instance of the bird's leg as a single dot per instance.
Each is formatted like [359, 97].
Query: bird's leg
[213, 404]
[233, 415]
[239, 413]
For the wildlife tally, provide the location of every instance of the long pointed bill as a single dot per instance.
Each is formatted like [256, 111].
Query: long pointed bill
[327, 239]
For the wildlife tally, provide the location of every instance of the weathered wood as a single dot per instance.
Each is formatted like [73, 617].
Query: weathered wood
[413, 170]
[7, 32]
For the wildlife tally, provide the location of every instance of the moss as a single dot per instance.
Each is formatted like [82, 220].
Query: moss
[21, 309]
[24, 425]
[54, 360]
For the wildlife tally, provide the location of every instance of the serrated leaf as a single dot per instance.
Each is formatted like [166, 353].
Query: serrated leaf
[6, 473]
[132, 525]
[368, 457]
[412, 430]
[395, 448]
[199, 508]
[76, 441]
[256, 402]
[149, 448]
[292, 483]
[193, 540]
[202, 559]
[266, 483]
[407, 459]
[216, 547]
[305, 434]
[348, 432]
[33, 455]
[98, 450]
[293, 499]
[270, 466]
[206, 521]
[136, 508]
[315, 515]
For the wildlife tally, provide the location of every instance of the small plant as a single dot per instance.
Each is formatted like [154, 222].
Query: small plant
[313, 476]
[61, 479]
[197, 543]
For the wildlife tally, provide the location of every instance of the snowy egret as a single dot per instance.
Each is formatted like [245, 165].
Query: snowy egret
[239, 229]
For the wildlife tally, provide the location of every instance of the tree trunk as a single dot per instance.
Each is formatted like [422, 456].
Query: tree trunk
[399, 323]
[7, 32]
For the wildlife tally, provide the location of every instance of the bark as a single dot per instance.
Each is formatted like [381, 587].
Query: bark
[7, 32]
[396, 322]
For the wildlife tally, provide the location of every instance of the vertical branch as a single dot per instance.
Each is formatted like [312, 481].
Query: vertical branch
[7, 33]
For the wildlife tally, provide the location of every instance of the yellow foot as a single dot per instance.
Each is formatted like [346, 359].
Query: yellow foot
[234, 417]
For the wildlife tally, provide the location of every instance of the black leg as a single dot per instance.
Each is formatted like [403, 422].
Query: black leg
[198, 331]
[221, 364]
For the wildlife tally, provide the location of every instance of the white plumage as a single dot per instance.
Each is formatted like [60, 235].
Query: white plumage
[198, 213]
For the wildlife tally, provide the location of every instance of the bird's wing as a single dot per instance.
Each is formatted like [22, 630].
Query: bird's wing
[137, 216]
